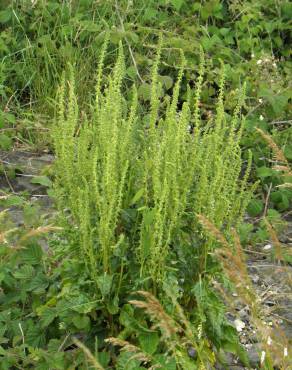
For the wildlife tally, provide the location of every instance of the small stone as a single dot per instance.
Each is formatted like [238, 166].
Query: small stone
[192, 352]
[267, 247]
[255, 278]
[239, 325]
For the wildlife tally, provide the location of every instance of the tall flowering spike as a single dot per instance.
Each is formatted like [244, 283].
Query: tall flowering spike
[199, 89]
[100, 70]
[154, 101]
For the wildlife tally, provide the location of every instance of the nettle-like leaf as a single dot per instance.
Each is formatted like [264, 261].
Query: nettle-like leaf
[149, 342]
[25, 272]
[32, 254]
[81, 321]
[104, 283]
[47, 316]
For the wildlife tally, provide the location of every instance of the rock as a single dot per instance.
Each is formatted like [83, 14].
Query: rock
[239, 325]
[253, 355]
[255, 278]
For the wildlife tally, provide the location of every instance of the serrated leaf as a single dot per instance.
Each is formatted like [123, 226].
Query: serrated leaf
[32, 254]
[25, 272]
[166, 81]
[81, 322]
[144, 91]
[39, 284]
[104, 283]
[177, 3]
[35, 336]
[48, 315]
[149, 342]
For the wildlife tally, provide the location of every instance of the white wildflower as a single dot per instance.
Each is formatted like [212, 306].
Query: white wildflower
[261, 117]
[260, 101]
[269, 341]
[259, 62]
[285, 352]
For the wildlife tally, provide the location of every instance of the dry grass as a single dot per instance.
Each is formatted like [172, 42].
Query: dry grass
[273, 341]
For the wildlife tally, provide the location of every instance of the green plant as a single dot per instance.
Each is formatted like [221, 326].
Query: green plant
[163, 171]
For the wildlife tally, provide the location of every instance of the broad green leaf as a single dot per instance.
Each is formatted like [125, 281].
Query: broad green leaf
[149, 342]
[144, 91]
[166, 81]
[5, 15]
[25, 272]
[177, 3]
[105, 283]
[47, 317]
[39, 283]
[35, 335]
[81, 322]
[264, 172]
[32, 254]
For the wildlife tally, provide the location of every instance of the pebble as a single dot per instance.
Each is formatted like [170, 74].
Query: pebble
[239, 325]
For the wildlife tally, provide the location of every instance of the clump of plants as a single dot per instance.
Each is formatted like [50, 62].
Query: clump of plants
[132, 183]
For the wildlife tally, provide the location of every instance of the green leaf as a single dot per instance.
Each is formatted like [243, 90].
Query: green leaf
[104, 283]
[113, 305]
[42, 180]
[5, 15]
[104, 358]
[149, 342]
[137, 196]
[144, 91]
[255, 207]
[177, 3]
[165, 362]
[48, 315]
[264, 172]
[166, 81]
[39, 284]
[81, 322]
[125, 362]
[14, 200]
[25, 272]
[32, 254]
[5, 142]
[35, 335]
